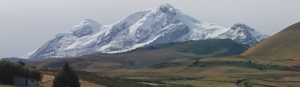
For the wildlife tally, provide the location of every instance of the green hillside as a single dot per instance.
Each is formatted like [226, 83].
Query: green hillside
[205, 48]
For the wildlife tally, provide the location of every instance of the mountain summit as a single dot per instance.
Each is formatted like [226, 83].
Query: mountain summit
[86, 27]
[244, 34]
[164, 24]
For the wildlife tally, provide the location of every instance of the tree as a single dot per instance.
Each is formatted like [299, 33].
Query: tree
[21, 62]
[9, 70]
[248, 84]
[238, 82]
[202, 65]
[66, 78]
[196, 63]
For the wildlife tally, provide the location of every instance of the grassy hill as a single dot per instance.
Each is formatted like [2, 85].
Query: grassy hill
[214, 48]
[283, 45]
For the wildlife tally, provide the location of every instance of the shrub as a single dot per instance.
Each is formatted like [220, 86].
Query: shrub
[9, 70]
[248, 84]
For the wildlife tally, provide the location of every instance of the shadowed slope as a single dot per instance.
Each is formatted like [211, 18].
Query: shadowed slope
[283, 45]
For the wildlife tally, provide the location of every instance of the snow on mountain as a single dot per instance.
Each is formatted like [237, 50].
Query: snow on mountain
[164, 24]
[243, 34]
[86, 27]
[28, 54]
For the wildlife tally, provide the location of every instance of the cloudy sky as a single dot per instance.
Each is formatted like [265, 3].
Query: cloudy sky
[27, 24]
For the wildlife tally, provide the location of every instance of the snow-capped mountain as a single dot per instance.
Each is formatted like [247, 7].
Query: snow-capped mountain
[145, 27]
[243, 34]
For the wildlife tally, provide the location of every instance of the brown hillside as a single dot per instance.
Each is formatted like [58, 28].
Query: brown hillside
[283, 45]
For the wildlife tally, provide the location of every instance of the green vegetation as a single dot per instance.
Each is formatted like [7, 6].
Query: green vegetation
[212, 47]
[248, 84]
[247, 64]
[238, 82]
[165, 65]
[21, 63]
[66, 78]
[9, 70]
[113, 81]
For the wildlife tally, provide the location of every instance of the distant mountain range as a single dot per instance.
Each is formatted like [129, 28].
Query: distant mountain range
[266, 63]
[151, 55]
[164, 24]
[15, 59]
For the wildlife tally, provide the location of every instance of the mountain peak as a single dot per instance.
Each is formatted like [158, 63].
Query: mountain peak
[86, 27]
[241, 26]
[90, 21]
[164, 24]
[166, 8]
[240, 32]
[166, 5]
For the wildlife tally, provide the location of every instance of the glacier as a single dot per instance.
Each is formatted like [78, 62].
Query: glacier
[164, 24]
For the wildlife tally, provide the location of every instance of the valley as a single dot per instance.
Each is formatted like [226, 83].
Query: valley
[188, 63]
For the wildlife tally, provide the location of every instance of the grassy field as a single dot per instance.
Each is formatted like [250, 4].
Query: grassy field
[47, 81]
[199, 83]
[211, 76]
[219, 72]
[6, 85]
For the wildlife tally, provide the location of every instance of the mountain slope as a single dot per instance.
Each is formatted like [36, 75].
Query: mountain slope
[164, 24]
[211, 47]
[243, 34]
[156, 54]
[283, 45]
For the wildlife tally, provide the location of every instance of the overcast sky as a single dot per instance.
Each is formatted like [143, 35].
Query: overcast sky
[27, 24]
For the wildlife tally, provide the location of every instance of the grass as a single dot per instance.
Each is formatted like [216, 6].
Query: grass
[248, 64]
[283, 45]
[6, 85]
[47, 81]
[213, 76]
[90, 79]
[200, 83]
[268, 83]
